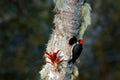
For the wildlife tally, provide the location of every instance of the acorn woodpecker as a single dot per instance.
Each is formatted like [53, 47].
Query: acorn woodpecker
[76, 51]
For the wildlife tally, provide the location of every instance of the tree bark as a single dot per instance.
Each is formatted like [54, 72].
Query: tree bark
[67, 24]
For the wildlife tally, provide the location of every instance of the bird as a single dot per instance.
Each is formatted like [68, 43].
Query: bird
[76, 51]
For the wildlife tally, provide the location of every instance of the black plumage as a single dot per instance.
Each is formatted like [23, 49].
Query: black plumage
[76, 51]
[72, 40]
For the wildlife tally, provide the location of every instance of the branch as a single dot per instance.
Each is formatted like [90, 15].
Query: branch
[67, 22]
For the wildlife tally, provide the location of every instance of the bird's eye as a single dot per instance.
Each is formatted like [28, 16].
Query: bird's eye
[72, 40]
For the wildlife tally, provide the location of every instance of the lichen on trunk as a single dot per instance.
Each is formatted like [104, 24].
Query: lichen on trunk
[67, 24]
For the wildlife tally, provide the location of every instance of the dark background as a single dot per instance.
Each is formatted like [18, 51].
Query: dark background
[25, 27]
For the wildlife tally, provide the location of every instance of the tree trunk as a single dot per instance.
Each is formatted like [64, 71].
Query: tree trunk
[67, 24]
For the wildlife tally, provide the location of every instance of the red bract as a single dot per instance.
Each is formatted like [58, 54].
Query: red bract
[54, 58]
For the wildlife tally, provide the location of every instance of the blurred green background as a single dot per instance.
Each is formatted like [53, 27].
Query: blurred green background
[25, 27]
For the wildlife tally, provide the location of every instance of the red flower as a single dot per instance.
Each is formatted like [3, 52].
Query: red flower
[54, 58]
